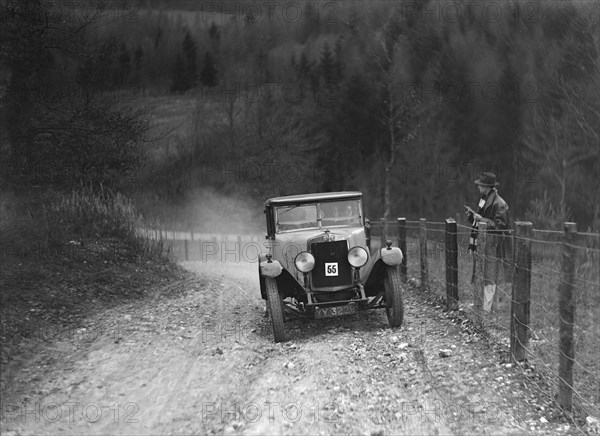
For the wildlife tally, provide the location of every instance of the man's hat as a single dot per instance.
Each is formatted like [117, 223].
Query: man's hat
[487, 179]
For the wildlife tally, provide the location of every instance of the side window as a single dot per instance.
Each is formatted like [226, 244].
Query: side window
[270, 221]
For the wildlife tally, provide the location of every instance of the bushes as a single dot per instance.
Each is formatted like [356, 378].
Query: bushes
[88, 212]
[545, 215]
[38, 224]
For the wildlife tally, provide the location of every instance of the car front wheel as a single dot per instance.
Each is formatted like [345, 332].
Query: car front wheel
[394, 305]
[275, 304]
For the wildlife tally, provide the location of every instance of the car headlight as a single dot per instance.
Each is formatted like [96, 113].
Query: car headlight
[304, 262]
[358, 257]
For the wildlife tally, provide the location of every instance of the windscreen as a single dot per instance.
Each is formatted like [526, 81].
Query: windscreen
[341, 213]
[297, 217]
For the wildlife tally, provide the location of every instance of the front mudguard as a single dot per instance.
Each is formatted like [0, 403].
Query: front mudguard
[376, 273]
[286, 283]
[270, 268]
[391, 256]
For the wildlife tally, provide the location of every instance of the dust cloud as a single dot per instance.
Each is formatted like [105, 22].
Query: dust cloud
[214, 212]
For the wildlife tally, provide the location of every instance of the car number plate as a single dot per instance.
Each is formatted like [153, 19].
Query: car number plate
[331, 269]
[328, 312]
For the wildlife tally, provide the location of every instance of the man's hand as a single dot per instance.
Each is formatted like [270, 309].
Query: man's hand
[477, 217]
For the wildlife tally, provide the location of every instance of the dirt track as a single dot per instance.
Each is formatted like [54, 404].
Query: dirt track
[200, 360]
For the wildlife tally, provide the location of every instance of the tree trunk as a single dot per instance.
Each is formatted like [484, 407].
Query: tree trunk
[390, 164]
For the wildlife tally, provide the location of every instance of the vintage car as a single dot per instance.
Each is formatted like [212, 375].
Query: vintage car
[318, 263]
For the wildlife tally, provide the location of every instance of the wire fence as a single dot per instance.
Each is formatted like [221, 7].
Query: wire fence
[537, 292]
[208, 247]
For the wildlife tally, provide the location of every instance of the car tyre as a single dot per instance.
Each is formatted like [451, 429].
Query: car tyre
[393, 297]
[276, 308]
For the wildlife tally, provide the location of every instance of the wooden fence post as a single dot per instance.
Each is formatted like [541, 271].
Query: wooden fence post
[423, 249]
[215, 240]
[402, 246]
[566, 317]
[368, 233]
[480, 272]
[521, 291]
[451, 265]
[185, 246]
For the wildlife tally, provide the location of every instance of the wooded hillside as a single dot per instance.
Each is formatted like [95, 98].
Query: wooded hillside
[293, 97]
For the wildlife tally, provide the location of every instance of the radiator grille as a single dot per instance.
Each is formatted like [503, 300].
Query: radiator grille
[331, 252]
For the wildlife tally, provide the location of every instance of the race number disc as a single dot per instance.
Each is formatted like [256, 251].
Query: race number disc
[331, 269]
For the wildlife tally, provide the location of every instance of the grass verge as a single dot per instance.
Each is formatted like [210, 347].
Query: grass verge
[66, 256]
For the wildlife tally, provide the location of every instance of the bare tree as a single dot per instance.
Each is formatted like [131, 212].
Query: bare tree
[401, 116]
[568, 137]
[56, 129]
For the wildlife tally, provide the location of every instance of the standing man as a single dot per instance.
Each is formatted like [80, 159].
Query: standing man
[493, 210]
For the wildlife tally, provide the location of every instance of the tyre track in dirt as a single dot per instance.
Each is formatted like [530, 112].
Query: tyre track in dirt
[201, 361]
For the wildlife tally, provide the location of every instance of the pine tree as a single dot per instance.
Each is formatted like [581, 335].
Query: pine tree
[304, 73]
[189, 59]
[250, 17]
[339, 62]
[124, 66]
[209, 74]
[264, 73]
[327, 65]
[158, 37]
[304, 67]
[178, 78]
[215, 35]
[311, 20]
[105, 71]
[137, 62]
